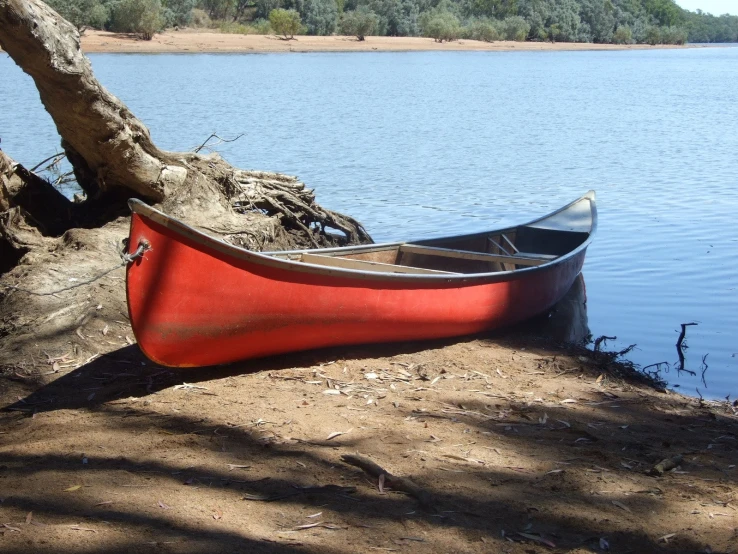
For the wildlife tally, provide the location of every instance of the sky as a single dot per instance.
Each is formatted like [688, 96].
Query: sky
[715, 7]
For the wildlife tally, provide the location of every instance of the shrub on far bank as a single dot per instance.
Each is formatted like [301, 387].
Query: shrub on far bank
[483, 29]
[359, 23]
[623, 35]
[82, 13]
[513, 28]
[258, 27]
[142, 17]
[285, 22]
[200, 19]
[673, 35]
[441, 26]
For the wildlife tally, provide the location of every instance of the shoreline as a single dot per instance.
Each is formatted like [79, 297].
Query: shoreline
[192, 41]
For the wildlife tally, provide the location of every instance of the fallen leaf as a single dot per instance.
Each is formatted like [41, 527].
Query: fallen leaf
[29, 518]
[380, 483]
[231, 467]
[536, 538]
[308, 526]
[622, 506]
[163, 506]
[8, 526]
[78, 528]
[73, 488]
[104, 503]
[332, 391]
[314, 515]
[604, 545]
[335, 434]
[105, 330]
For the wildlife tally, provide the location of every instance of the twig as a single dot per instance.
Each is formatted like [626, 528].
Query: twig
[392, 481]
[222, 140]
[600, 340]
[57, 156]
[680, 346]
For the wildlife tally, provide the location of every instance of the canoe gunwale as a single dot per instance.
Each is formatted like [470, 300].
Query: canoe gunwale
[275, 259]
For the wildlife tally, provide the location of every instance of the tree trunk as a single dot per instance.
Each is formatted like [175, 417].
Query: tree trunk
[114, 158]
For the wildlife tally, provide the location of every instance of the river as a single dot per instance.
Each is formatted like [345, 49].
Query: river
[420, 144]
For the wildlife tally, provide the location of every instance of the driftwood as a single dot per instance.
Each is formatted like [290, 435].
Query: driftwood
[394, 482]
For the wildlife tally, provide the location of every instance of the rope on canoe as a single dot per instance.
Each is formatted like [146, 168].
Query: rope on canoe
[126, 259]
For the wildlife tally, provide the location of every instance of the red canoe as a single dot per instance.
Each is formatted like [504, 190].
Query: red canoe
[195, 301]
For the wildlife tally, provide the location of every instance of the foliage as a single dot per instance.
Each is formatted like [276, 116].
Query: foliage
[258, 27]
[359, 22]
[440, 25]
[218, 9]
[142, 17]
[285, 22]
[649, 21]
[177, 12]
[514, 28]
[673, 35]
[622, 35]
[200, 18]
[653, 35]
[81, 13]
[483, 29]
[321, 16]
[397, 18]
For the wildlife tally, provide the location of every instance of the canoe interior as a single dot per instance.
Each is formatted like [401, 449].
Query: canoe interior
[536, 243]
[506, 250]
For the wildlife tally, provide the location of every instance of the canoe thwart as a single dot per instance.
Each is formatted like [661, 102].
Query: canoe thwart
[362, 265]
[469, 255]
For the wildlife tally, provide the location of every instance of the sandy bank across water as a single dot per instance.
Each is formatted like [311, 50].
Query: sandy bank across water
[192, 41]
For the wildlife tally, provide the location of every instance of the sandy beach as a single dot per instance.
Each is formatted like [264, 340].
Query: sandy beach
[197, 41]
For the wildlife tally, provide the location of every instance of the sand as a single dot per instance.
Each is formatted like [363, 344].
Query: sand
[188, 41]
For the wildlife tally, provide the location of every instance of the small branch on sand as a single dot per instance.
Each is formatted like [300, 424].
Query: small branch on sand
[392, 481]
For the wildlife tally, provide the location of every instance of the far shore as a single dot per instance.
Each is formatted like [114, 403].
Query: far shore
[192, 41]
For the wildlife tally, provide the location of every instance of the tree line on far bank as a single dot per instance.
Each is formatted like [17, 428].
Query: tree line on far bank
[597, 21]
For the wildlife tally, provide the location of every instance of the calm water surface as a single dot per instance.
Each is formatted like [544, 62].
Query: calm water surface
[417, 144]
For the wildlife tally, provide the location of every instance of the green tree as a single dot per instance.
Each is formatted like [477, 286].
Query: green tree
[178, 12]
[653, 35]
[320, 16]
[285, 22]
[513, 28]
[666, 12]
[440, 25]
[142, 17]
[82, 13]
[359, 22]
[599, 15]
[397, 18]
[622, 35]
[482, 29]
[219, 9]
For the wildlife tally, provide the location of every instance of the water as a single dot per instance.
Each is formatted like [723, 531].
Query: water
[419, 144]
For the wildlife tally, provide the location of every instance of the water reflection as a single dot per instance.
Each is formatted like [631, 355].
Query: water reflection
[567, 321]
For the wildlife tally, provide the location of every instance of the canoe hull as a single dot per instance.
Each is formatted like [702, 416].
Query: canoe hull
[194, 306]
